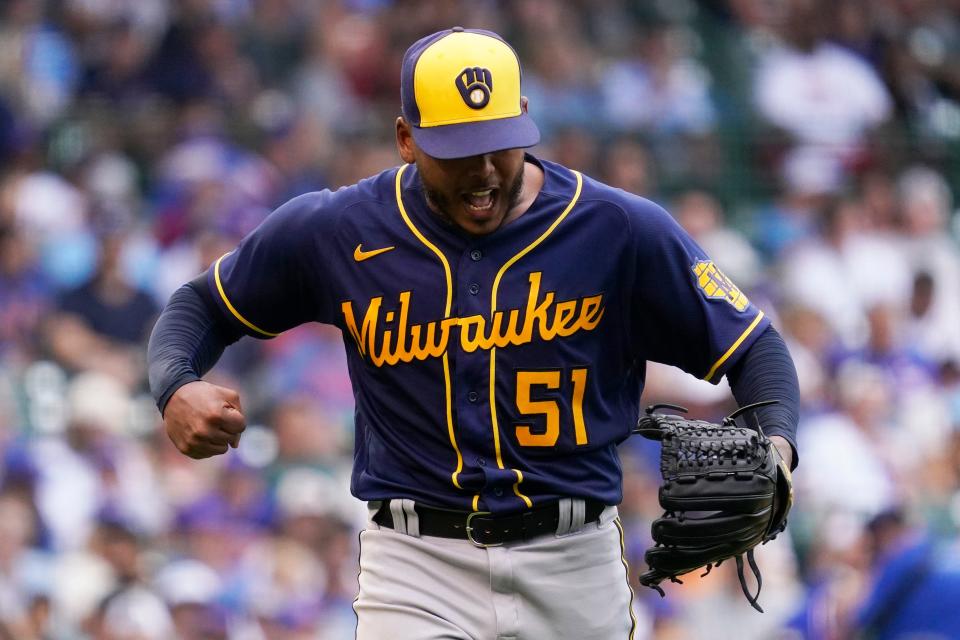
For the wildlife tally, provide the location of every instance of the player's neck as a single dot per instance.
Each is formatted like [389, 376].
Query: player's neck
[532, 184]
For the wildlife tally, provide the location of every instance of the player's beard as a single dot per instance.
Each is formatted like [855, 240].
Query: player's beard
[441, 203]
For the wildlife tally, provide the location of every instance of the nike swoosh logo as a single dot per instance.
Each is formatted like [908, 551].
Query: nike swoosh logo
[360, 255]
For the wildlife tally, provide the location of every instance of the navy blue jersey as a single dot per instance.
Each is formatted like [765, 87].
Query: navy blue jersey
[490, 372]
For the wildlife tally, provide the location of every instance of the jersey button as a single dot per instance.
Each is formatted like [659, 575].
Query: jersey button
[473, 396]
[475, 255]
[474, 289]
[498, 491]
[481, 462]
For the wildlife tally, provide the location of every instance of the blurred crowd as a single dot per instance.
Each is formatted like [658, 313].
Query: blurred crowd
[811, 147]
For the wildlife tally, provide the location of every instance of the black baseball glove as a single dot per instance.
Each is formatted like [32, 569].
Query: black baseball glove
[725, 490]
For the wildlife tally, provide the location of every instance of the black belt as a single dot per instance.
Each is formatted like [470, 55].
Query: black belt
[483, 528]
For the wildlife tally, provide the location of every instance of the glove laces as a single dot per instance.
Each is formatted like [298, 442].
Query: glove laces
[743, 581]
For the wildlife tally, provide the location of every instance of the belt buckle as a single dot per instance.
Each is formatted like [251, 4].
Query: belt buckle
[469, 531]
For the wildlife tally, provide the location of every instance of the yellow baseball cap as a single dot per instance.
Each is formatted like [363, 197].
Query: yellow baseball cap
[460, 92]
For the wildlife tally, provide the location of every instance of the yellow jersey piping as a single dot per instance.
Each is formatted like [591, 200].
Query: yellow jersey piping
[454, 477]
[226, 301]
[493, 351]
[733, 347]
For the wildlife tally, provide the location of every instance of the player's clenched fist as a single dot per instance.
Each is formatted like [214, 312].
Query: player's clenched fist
[203, 420]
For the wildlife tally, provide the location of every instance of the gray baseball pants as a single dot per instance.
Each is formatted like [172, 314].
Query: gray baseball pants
[572, 584]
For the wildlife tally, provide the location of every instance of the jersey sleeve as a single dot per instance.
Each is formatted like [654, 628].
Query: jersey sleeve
[687, 312]
[275, 280]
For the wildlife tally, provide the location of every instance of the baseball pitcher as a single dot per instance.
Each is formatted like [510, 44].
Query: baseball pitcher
[498, 311]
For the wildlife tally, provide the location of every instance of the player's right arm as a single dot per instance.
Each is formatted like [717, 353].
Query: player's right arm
[201, 419]
[264, 287]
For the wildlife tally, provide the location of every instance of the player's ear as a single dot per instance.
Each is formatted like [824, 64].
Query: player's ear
[524, 104]
[405, 143]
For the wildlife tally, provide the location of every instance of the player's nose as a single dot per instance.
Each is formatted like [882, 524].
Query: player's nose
[480, 165]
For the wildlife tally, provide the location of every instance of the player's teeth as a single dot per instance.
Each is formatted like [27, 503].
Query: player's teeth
[480, 199]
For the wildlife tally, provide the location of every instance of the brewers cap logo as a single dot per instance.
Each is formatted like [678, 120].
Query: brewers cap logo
[714, 284]
[475, 85]
[447, 79]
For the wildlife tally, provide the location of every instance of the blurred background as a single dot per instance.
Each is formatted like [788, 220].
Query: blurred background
[812, 147]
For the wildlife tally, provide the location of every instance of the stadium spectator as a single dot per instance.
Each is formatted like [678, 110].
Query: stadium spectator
[100, 325]
[821, 94]
[914, 582]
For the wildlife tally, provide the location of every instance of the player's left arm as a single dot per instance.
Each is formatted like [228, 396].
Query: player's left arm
[693, 317]
[765, 371]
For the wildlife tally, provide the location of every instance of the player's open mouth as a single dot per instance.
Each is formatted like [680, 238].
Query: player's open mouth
[480, 201]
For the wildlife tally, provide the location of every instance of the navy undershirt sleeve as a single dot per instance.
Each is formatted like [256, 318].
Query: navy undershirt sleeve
[187, 340]
[766, 372]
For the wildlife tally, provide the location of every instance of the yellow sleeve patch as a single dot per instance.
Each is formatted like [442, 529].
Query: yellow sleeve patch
[715, 284]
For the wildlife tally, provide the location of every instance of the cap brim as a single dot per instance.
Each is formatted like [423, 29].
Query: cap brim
[476, 138]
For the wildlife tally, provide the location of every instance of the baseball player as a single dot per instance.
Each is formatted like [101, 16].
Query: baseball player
[497, 311]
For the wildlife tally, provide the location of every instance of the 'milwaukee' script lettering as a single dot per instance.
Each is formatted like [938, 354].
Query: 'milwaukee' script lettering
[404, 342]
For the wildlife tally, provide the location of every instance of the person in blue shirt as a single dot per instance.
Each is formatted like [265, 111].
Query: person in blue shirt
[915, 583]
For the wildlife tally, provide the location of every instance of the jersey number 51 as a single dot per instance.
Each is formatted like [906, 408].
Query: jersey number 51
[550, 409]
